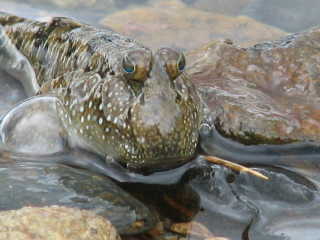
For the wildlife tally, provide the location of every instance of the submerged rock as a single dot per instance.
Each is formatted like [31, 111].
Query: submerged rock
[163, 24]
[47, 184]
[268, 93]
[56, 223]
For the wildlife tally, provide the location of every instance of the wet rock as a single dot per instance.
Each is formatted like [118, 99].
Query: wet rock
[163, 24]
[45, 184]
[289, 15]
[59, 223]
[268, 93]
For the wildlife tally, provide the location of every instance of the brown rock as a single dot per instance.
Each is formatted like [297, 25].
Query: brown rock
[54, 223]
[268, 93]
[194, 229]
[172, 23]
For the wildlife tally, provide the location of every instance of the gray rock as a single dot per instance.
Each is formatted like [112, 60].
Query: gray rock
[45, 184]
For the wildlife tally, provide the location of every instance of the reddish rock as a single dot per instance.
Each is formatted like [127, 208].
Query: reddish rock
[268, 93]
[172, 23]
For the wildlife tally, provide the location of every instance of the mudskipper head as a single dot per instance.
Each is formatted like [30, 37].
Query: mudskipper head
[143, 111]
[153, 110]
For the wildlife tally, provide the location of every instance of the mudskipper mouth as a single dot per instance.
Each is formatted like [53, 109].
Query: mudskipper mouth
[159, 164]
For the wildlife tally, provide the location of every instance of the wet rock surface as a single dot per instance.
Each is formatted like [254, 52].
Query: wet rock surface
[162, 24]
[58, 223]
[47, 184]
[268, 93]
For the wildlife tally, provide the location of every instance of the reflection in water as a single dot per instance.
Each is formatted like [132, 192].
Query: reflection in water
[237, 206]
[274, 209]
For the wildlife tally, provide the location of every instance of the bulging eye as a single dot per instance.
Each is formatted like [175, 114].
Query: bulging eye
[181, 64]
[173, 60]
[136, 64]
[128, 66]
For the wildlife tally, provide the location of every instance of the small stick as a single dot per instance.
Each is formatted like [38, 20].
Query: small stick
[234, 166]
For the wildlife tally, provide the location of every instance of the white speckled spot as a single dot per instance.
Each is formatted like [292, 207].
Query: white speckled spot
[90, 104]
[89, 117]
[100, 107]
[141, 140]
[82, 109]
[100, 120]
[82, 119]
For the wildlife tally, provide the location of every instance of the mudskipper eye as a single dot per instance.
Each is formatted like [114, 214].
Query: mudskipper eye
[173, 60]
[181, 64]
[128, 66]
[136, 64]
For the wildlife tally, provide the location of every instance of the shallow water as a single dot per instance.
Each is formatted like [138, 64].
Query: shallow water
[236, 206]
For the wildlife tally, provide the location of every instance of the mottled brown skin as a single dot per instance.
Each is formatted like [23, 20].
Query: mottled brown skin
[116, 97]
